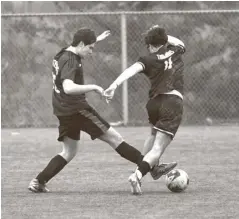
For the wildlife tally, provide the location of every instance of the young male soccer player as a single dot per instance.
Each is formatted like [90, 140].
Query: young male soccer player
[164, 68]
[73, 111]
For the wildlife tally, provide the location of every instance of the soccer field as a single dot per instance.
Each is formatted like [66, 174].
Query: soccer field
[94, 184]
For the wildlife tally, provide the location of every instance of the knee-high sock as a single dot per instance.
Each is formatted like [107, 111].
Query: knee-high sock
[55, 165]
[130, 153]
[143, 168]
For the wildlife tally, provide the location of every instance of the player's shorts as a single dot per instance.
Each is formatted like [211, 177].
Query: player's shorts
[87, 120]
[165, 113]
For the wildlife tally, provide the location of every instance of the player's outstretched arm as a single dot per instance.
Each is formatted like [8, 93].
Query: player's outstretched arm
[103, 36]
[125, 75]
[71, 88]
[128, 73]
[175, 41]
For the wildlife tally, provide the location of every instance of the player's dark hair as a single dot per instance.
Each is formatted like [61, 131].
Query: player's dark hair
[156, 36]
[85, 35]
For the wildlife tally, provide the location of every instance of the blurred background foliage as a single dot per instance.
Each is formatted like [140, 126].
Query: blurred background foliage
[29, 44]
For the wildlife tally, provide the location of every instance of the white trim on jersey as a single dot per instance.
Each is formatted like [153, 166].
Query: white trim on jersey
[175, 41]
[175, 92]
[165, 55]
[161, 130]
[141, 63]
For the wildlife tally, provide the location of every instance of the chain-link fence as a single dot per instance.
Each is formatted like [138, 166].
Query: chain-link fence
[29, 43]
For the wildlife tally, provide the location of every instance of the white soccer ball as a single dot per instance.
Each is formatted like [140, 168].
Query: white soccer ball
[177, 180]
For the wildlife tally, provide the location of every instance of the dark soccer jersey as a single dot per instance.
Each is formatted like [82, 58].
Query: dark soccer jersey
[164, 70]
[67, 65]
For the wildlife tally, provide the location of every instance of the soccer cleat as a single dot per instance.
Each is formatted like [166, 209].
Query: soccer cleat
[35, 186]
[135, 184]
[162, 169]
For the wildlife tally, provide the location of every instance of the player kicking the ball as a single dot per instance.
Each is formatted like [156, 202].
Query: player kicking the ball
[164, 68]
[75, 114]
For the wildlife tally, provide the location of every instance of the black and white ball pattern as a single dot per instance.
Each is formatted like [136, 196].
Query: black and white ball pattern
[177, 180]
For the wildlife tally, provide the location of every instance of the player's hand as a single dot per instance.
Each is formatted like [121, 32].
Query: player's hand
[99, 90]
[109, 93]
[104, 35]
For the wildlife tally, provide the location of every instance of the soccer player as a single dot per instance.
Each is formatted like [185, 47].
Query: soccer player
[73, 111]
[164, 68]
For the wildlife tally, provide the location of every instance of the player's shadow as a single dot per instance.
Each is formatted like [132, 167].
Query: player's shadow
[92, 192]
[164, 192]
[110, 193]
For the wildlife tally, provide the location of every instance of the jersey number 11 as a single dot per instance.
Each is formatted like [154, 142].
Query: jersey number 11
[168, 64]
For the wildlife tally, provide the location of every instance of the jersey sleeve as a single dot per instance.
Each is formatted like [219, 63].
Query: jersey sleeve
[145, 62]
[178, 49]
[68, 71]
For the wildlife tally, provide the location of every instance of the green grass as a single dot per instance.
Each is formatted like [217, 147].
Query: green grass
[94, 184]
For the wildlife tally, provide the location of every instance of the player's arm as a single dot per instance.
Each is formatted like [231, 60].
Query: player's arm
[125, 75]
[175, 41]
[72, 88]
[128, 73]
[102, 36]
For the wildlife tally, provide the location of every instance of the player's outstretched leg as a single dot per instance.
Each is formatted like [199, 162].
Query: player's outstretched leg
[159, 170]
[161, 142]
[116, 141]
[151, 159]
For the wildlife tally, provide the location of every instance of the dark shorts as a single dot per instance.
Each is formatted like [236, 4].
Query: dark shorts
[87, 120]
[165, 113]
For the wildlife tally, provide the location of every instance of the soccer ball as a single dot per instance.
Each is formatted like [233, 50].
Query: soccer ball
[177, 180]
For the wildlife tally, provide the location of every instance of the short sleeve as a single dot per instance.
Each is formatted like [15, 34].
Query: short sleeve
[144, 61]
[68, 71]
[181, 49]
[178, 49]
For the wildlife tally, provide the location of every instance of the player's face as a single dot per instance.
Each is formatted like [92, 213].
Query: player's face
[86, 50]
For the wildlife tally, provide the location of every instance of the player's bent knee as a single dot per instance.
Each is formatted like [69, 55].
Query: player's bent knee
[68, 153]
[69, 149]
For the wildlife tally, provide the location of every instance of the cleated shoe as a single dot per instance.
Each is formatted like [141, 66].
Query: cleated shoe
[37, 187]
[158, 170]
[135, 184]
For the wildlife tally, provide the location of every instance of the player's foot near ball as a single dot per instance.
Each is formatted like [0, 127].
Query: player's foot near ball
[135, 184]
[37, 187]
[162, 169]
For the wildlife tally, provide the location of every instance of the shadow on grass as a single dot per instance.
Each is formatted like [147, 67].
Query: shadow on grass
[94, 193]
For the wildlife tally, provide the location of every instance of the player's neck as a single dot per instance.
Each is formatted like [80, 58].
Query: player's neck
[72, 49]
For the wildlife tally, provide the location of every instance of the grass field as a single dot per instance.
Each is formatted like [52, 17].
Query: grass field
[94, 184]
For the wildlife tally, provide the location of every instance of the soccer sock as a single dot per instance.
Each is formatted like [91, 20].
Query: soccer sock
[130, 153]
[143, 168]
[56, 164]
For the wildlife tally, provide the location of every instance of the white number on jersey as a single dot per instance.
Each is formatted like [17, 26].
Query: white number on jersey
[166, 55]
[168, 64]
[54, 74]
